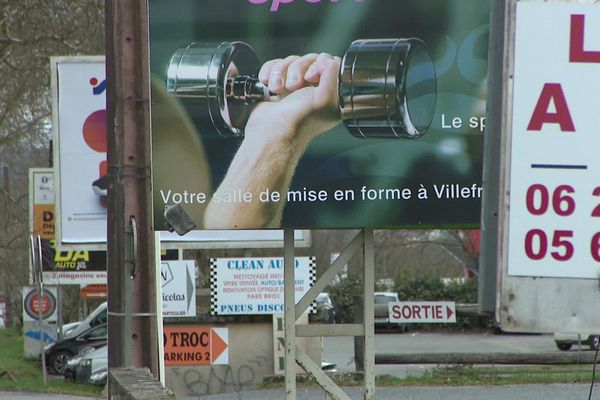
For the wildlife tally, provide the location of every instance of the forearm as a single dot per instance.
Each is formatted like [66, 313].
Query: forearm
[260, 164]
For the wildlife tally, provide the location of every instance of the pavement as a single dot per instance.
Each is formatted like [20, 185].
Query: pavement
[508, 392]
[505, 392]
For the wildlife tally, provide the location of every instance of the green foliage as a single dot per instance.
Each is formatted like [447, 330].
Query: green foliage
[432, 288]
[342, 296]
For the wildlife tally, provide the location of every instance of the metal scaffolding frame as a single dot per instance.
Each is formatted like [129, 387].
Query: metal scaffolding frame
[366, 329]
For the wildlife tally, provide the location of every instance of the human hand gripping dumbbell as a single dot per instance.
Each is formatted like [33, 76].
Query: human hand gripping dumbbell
[306, 102]
[302, 103]
[381, 88]
[386, 88]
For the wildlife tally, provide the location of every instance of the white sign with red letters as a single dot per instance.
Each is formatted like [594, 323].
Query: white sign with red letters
[554, 220]
[440, 312]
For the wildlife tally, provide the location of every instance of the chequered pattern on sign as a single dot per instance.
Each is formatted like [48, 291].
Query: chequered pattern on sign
[213, 286]
[312, 265]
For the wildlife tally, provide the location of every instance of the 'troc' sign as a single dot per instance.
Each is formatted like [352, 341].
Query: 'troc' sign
[190, 345]
[423, 312]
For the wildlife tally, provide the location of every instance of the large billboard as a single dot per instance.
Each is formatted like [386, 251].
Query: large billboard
[248, 286]
[79, 120]
[555, 207]
[549, 249]
[318, 114]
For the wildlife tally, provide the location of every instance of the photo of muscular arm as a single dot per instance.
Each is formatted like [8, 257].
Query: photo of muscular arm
[276, 135]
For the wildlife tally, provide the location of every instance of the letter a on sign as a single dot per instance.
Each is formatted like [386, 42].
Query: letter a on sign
[552, 92]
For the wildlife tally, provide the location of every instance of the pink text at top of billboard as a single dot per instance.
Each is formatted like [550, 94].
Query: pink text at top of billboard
[276, 3]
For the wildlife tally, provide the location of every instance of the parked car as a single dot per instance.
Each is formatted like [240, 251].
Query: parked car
[96, 317]
[325, 309]
[70, 371]
[66, 329]
[99, 377]
[564, 341]
[58, 353]
[87, 365]
[382, 315]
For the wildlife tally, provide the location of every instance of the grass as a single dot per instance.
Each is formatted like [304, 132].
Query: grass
[28, 375]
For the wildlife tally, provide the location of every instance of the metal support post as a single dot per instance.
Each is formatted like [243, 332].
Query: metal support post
[159, 306]
[289, 298]
[368, 314]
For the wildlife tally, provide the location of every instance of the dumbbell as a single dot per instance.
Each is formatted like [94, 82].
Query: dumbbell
[387, 87]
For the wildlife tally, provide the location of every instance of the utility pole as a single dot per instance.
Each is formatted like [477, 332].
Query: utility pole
[132, 332]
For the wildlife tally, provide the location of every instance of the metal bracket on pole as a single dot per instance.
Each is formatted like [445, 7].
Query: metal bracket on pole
[366, 329]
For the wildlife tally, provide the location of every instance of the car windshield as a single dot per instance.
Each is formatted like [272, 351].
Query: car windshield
[323, 298]
[384, 298]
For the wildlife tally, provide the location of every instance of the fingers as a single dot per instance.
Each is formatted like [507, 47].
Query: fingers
[313, 74]
[294, 72]
[297, 71]
[274, 74]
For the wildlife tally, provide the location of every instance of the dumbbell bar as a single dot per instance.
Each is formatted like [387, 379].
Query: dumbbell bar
[387, 87]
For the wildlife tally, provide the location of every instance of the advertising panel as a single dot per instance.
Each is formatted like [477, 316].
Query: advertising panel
[429, 312]
[318, 114]
[246, 286]
[195, 345]
[549, 252]
[178, 288]
[80, 267]
[35, 303]
[79, 118]
[555, 194]
[41, 181]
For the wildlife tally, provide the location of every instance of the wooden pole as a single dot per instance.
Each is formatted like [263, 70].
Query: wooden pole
[129, 208]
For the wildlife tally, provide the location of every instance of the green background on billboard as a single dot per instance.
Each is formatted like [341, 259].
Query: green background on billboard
[456, 32]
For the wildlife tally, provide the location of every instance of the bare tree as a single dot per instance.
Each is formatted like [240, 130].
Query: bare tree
[31, 31]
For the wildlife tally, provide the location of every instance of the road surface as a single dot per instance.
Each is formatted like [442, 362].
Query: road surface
[529, 392]
[340, 350]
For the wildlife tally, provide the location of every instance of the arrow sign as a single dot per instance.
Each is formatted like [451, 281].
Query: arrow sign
[219, 338]
[178, 288]
[422, 312]
[195, 345]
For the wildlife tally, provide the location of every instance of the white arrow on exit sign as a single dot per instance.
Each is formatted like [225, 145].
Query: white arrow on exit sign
[422, 311]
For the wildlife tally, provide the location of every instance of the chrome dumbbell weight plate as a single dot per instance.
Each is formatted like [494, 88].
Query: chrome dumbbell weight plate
[387, 87]
[220, 78]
